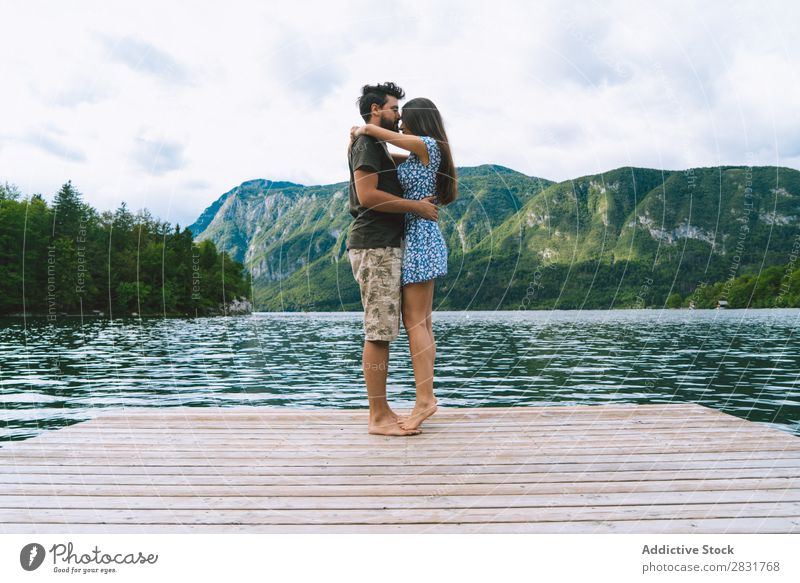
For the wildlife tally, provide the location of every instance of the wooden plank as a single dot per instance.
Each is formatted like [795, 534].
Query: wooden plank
[311, 412]
[396, 472]
[78, 431]
[571, 409]
[784, 488]
[443, 413]
[452, 464]
[447, 421]
[411, 458]
[304, 454]
[443, 424]
[546, 421]
[427, 441]
[431, 430]
[767, 525]
[368, 441]
[407, 479]
[277, 509]
[396, 515]
[476, 448]
[59, 437]
[492, 496]
[565, 492]
[432, 426]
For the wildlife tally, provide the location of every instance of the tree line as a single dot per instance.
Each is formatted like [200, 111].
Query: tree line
[68, 258]
[777, 286]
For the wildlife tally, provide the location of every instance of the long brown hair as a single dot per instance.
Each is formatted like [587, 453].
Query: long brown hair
[423, 119]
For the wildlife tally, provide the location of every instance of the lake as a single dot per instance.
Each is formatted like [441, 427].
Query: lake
[742, 362]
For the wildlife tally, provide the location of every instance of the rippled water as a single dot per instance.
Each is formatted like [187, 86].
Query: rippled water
[742, 362]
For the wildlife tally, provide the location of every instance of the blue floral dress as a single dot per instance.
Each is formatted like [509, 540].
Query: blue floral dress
[425, 253]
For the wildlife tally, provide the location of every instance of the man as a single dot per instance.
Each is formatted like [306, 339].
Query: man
[374, 245]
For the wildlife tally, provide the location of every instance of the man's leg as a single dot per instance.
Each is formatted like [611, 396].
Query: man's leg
[382, 420]
[376, 363]
[376, 271]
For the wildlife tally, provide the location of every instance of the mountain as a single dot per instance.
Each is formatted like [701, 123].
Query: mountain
[623, 238]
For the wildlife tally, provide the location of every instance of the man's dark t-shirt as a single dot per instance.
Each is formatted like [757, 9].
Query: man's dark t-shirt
[372, 228]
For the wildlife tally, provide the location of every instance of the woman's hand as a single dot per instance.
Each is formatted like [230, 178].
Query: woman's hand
[356, 131]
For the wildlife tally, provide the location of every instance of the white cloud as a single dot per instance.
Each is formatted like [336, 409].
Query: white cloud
[168, 105]
[143, 57]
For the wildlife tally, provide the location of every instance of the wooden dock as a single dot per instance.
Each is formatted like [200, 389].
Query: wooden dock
[677, 468]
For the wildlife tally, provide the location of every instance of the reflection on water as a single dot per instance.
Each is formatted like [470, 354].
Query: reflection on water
[742, 362]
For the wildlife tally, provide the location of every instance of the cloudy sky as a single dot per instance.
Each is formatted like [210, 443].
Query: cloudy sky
[167, 105]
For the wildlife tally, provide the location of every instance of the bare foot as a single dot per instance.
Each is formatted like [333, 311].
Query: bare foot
[389, 426]
[422, 410]
[398, 418]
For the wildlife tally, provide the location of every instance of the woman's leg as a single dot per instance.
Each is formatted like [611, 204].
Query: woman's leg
[417, 306]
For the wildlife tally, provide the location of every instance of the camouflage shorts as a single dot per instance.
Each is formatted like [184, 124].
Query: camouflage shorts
[377, 272]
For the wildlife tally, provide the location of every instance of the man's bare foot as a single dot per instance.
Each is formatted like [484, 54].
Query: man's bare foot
[388, 426]
[422, 410]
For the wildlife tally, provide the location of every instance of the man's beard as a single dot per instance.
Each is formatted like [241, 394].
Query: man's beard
[388, 124]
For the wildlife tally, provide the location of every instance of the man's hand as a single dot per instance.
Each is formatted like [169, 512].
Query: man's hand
[427, 209]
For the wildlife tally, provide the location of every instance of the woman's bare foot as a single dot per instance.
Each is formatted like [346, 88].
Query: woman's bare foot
[422, 410]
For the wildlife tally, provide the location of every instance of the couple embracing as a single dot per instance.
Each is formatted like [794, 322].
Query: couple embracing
[395, 247]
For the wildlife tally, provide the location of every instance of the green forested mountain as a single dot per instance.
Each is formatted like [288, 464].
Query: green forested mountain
[630, 237]
[68, 259]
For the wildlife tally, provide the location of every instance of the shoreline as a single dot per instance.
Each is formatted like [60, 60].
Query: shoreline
[254, 312]
[123, 317]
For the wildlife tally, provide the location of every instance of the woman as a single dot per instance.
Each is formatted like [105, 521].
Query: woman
[428, 170]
